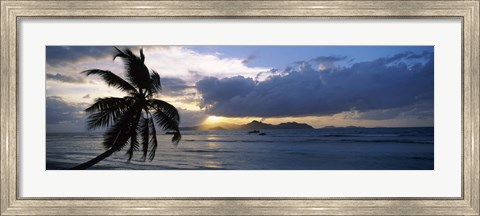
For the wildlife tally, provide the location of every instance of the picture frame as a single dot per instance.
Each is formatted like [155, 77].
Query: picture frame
[13, 11]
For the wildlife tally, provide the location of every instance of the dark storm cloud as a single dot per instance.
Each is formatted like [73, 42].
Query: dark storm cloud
[64, 78]
[410, 56]
[399, 56]
[59, 111]
[326, 61]
[421, 110]
[423, 55]
[266, 73]
[60, 55]
[218, 92]
[332, 59]
[174, 86]
[385, 83]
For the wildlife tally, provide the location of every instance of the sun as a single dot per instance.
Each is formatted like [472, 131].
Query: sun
[214, 119]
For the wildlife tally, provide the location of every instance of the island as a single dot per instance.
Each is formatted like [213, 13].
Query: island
[254, 125]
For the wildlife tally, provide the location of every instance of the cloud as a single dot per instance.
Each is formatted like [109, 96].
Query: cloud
[174, 86]
[191, 118]
[418, 111]
[329, 58]
[191, 66]
[64, 63]
[403, 80]
[327, 62]
[64, 78]
[61, 55]
[60, 111]
[319, 63]
[249, 59]
[216, 92]
[265, 74]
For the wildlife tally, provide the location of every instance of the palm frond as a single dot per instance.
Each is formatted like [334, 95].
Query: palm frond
[112, 79]
[155, 85]
[176, 137]
[108, 103]
[120, 54]
[168, 124]
[134, 145]
[145, 134]
[169, 110]
[136, 71]
[167, 117]
[106, 111]
[119, 133]
[142, 57]
[153, 140]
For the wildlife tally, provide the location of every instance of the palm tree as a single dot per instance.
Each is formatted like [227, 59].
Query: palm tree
[133, 115]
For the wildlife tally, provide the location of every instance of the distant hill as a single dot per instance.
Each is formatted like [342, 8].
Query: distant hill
[254, 125]
[217, 128]
[293, 125]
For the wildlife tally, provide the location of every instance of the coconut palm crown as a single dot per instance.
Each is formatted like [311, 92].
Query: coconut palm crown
[133, 116]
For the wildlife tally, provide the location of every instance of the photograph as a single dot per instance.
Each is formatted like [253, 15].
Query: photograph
[237, 107]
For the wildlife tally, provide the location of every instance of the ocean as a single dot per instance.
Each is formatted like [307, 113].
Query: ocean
[316, 149]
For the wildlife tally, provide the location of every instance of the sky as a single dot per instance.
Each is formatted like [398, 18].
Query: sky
[369, 86]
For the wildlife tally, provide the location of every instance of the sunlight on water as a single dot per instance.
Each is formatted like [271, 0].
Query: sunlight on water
[212, 164]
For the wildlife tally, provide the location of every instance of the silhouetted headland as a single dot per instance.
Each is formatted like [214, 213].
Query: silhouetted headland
[254, 125]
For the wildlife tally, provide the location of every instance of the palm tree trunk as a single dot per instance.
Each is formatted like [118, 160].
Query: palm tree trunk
[95, 160]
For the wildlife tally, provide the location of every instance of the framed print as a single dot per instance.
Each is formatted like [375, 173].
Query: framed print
[239, 108]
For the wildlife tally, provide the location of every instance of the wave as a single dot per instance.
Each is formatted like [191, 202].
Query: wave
[359, 135]
[317, 140]
[388, 141]
[207, 151]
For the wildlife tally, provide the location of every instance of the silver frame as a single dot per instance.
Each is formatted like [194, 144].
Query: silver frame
[469, 204]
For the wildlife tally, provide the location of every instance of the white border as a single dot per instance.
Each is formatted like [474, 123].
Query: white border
[444, 181]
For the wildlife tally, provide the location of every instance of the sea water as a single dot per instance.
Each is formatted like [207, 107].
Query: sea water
[315, 149]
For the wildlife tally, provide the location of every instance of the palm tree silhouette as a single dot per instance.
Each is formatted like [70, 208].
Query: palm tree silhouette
[134, 114]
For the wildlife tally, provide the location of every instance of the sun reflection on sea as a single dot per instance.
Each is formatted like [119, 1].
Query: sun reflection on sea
[211, 160]
[211, 141]
[213, 164]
